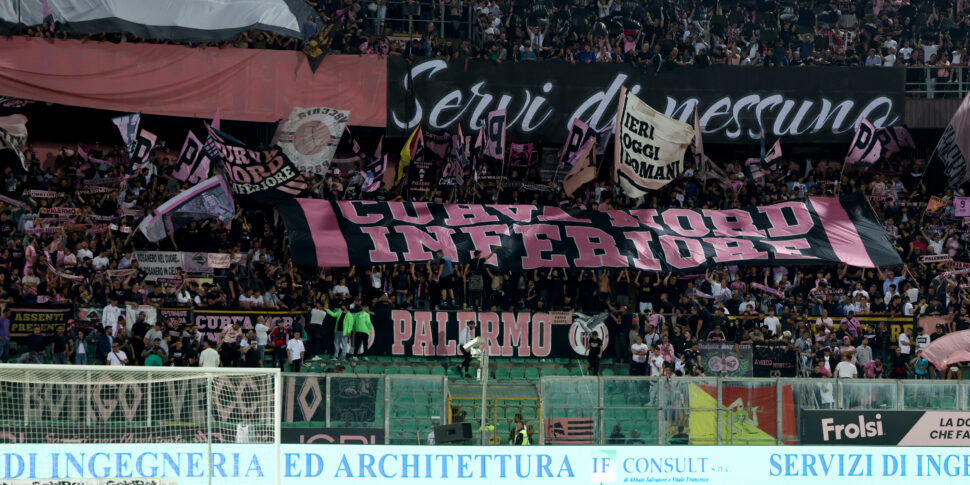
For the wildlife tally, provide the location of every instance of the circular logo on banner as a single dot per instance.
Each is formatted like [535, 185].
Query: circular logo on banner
[723, 364]
[311, 137]
[582, 329]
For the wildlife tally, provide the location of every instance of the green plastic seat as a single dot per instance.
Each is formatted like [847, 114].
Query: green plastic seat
[531, 373]
[422, 370]
[502, 373]
[391, 369]
[562, 371]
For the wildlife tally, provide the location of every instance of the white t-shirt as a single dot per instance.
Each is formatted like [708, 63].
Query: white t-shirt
[904, 344]
[295, 349]
[117, 358]
[262, 334]
[772, 323]
[656, 365]
[209, 358]
[906, 52]
[341, 290]
[639, 347]
[846, 369]
[316, 316]
[922, 341]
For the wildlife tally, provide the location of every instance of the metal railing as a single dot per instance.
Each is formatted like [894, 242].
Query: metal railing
[937, 82]
[723, 411]
[398, 19]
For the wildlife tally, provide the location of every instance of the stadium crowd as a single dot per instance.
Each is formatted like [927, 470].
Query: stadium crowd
[654, 35]
[655, 320]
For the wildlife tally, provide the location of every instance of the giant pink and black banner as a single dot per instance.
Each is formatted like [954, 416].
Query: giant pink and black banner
[817, 230]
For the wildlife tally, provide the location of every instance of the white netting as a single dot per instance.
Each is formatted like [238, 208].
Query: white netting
[55, 404]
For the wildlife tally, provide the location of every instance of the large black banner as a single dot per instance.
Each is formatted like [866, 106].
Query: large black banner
[506, 334]
[806, 103]
[367, 233]
[211, 322]
[774, 360]
[885, 428]
[23, 319]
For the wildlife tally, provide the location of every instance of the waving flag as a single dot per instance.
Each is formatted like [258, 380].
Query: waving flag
[865, 149]
[128, 127]
[413, 146]
[649, 146]
[894, 139]
[374, 174]
[193, 164]
[520, 154]
[583, 171]
[209, 199]
[13, 135]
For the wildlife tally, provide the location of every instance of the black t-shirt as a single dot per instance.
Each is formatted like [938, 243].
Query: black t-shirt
[961, 322]
[60, 343]
[595, 342]
[36, 343]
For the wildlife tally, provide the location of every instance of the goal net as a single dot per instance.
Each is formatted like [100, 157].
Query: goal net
[93, 404]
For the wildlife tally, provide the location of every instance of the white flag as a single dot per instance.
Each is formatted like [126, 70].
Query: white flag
[649, 147]
[310, 137]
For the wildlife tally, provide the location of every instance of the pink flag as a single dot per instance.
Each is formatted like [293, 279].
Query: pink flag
[583, 171]
[495, 135]
[894, 139]
[866, 148]
[579, 132]
[217, 119]
[949, 349]
[520, 154]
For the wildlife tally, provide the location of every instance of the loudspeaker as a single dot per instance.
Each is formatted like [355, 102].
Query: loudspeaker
[449, 433]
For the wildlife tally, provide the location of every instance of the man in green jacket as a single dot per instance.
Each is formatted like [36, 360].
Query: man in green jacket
[342, 329]
[362, 330]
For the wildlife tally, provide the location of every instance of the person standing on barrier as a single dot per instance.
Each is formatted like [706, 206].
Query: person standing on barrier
[295, 351]
[279, 338]
[638, 360]
[342, 328]
[362, 331]
[594, 352]
[623, 323]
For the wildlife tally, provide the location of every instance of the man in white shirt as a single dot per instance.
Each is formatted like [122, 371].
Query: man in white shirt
[906, 342]
[262, 338]
[117, 356]
[109, 316]
[84, 252]
[772, 322]
[638, 360]
[314, 331]
[846, 369]
[295, 350]
[209, 356]
[340, 290]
